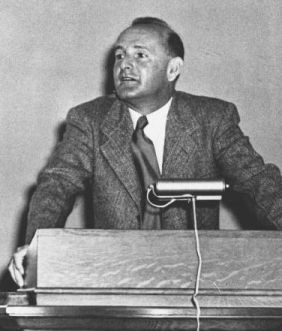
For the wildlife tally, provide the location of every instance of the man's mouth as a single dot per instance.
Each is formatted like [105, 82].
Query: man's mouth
[128, 79]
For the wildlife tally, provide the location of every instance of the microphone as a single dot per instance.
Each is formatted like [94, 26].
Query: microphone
[190, 186]
[183, 189]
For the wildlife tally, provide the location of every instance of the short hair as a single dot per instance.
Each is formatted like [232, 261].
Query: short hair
[174, 43]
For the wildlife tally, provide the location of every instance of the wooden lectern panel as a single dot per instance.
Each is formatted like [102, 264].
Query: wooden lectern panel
[144, 280]
[136, 267]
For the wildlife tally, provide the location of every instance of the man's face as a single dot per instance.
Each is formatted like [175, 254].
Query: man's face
[140, 69]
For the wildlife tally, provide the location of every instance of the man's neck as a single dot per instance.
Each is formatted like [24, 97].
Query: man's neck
[146, 108]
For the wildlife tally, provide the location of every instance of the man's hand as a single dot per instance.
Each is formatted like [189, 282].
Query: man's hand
[16, 267]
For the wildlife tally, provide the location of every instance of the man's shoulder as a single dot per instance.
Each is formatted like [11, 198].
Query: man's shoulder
[96, 107]
[201, 101]
[204, 107]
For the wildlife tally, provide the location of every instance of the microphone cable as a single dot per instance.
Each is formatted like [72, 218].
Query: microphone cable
[199, 269]
[196, 292]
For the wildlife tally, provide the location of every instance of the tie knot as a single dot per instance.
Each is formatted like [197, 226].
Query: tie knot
[142, 122]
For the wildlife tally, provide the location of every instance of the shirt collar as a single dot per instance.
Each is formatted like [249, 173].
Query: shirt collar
[154, 117]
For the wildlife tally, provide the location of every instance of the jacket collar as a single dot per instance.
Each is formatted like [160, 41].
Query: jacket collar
[179, 142]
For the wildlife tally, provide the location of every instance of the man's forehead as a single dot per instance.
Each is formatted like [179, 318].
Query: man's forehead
[140, 35]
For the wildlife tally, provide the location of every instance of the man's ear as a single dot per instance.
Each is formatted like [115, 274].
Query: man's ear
[174, 68]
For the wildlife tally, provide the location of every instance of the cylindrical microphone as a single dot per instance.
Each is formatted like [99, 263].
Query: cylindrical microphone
[174, 187]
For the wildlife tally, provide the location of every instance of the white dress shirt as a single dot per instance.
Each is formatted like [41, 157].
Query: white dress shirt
[155, 129]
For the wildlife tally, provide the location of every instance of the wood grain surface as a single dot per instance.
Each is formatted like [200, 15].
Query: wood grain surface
[107, 259]
[144, 280]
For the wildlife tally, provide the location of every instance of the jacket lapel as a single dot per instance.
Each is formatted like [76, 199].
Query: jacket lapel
[117, 131]
[180, 144]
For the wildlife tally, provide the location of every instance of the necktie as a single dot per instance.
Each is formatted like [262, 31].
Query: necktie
[148, 170]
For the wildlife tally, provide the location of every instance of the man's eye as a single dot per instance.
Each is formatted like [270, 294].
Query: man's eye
[119, 56]
[141, 55]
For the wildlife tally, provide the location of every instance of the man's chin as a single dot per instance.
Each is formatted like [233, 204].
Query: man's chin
[126, 94]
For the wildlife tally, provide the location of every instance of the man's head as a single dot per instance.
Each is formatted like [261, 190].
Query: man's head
[148, 58]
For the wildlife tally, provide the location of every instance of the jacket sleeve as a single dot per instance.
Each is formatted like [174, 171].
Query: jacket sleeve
[244, 168]
[69, 167]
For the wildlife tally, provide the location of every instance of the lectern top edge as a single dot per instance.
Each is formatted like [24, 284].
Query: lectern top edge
[188, 233]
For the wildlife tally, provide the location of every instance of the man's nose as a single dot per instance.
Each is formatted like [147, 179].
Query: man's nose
[127, 62]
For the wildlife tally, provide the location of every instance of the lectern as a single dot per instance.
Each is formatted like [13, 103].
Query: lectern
[144, 280]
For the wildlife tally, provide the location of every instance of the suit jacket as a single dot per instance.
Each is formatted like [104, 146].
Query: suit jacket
[203, 140]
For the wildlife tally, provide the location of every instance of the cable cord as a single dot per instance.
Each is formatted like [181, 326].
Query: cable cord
[194, 297]
[193, 199]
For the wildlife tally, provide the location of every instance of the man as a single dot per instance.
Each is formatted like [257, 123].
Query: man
[193, 137]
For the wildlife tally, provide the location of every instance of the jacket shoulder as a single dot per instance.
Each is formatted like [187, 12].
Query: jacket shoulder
[207, 108]
[95, 109]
